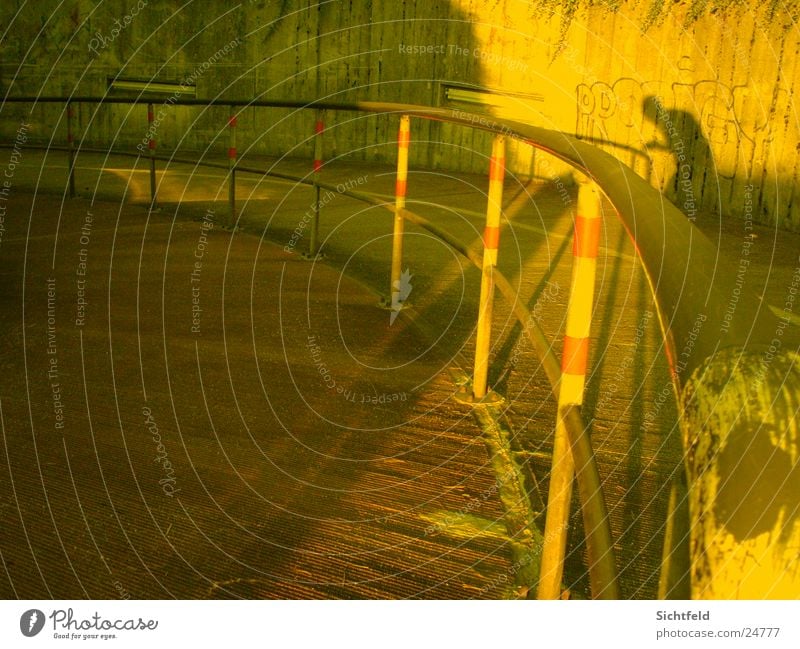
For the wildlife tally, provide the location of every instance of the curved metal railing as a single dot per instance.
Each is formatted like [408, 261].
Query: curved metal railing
[733, 372]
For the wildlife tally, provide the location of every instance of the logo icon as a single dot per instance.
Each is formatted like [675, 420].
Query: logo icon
[402, 289]
[31, 622]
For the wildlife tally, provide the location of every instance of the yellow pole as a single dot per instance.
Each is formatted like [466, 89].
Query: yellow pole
[403, 143]
[71, 144]
[491, 240]
[151, 147]
[573, 373]
[232, 166]
[319, 128]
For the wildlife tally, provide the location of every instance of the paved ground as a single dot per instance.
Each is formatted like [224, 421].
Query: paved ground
[285, 438]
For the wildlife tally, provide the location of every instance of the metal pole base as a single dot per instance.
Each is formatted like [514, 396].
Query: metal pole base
[386, 303]
[317, 256]
[466, 396]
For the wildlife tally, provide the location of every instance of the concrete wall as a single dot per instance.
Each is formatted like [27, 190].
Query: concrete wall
[726, 87]
[700, 102]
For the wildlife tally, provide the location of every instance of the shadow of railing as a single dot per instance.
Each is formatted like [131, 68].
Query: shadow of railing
[732, 359]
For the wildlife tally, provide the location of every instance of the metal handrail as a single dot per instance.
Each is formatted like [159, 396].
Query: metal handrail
[634, 200]
[691, 283]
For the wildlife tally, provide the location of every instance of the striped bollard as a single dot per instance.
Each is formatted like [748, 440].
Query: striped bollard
[570, 394]
[232, 167]
[71, 146]
[400, 187]
[491, 241]
[319, 129]
[151, 147]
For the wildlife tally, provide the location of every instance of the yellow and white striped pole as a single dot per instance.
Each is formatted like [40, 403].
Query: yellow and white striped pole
[400, 185]
[319, 129]
[71, 147]
[573, 374]
[232, 166]
[151, 147]
[491, 241]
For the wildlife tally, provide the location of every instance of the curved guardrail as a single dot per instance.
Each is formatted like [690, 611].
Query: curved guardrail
[735, 373]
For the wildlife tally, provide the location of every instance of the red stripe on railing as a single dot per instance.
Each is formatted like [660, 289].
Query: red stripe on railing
[587, 237]
[403, 139]
[575, 355]
[497, 168]
[491, 237]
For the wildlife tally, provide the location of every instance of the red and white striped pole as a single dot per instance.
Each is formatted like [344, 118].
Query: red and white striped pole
[400, 187]
[491, 241]
[319, 129]
[71, 146]
[573, 377]
[232, 167]
[151, 147]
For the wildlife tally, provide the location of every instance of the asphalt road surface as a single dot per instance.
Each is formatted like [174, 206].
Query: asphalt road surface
[194, 410]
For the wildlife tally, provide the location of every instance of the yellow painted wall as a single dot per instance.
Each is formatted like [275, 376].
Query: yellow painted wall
[725, 79]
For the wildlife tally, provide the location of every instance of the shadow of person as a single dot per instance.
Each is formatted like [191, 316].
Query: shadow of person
[678, 132]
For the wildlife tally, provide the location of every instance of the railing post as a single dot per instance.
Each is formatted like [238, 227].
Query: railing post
[491, 240]
[71, 146]
[313, 240]
[400, 186]
[232, 166]
[151, 147]
[573, 373]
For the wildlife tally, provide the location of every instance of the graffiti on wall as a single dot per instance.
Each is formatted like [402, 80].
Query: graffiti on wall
[738, 122]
